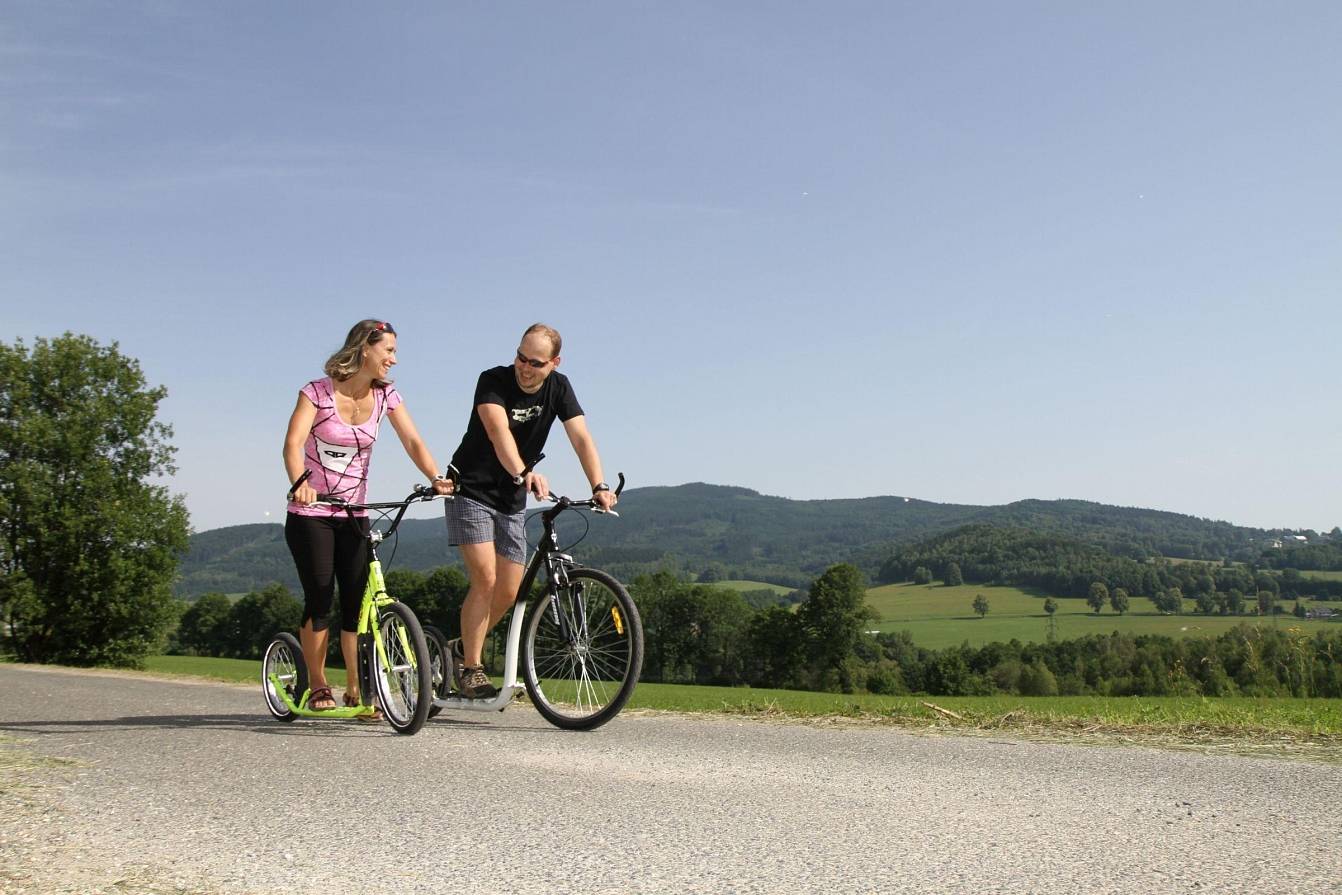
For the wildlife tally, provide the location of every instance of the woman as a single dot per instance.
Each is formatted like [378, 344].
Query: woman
[331, 435]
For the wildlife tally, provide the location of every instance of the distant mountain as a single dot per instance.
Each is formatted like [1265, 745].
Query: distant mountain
[730, 532]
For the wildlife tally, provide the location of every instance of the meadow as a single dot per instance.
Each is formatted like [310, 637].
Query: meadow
[937, 616]
[747, 586]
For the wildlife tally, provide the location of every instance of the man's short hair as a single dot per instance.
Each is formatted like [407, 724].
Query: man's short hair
[550, 333]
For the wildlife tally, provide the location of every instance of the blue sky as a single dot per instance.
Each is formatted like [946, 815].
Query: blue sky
[970, 252]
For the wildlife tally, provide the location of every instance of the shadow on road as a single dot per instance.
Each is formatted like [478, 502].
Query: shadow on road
[254, 724]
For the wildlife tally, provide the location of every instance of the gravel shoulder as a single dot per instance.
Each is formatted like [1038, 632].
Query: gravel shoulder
[124, 784]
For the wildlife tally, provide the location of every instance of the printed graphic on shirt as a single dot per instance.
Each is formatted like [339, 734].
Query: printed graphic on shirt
[523, 414]
[335, 457]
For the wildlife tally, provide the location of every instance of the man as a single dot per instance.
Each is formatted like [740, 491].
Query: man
[514, 410]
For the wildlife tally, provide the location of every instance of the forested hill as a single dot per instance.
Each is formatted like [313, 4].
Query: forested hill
[719, 531]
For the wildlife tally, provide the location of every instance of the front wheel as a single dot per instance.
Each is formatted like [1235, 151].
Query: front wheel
[283, 670]
[401, 673]
[582, 651]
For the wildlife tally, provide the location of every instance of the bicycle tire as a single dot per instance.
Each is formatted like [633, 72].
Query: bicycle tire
[405, 684]
[581, 682]
[439, 658]
[284, 659]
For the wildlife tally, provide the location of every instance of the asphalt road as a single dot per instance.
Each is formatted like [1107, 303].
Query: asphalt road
[175, 787]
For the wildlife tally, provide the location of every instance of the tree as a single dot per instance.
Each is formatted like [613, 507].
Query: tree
[89, 545]
[1037, 680]
[1118, 600]
[954, 578]
[203, 624]
[1267, 602]
[980, 605]
[922, 575]
[258, 616]
[1098, 596]
[1170, 601]
[832, 619]
[1050, 605]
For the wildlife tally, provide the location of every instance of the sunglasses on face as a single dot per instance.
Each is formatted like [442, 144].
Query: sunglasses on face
[531, 362]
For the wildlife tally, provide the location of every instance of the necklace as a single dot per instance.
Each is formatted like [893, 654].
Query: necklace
[357, 416]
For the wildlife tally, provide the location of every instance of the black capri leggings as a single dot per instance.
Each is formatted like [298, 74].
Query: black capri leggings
[327, 550]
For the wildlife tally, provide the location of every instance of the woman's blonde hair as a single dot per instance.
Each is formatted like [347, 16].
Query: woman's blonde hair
[349, 359]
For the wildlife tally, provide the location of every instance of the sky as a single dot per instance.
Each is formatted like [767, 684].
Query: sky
[967, 252]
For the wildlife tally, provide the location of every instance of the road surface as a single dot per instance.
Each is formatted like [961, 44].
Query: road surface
[127, 784]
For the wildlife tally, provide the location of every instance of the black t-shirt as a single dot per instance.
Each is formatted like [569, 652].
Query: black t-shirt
[483, 477]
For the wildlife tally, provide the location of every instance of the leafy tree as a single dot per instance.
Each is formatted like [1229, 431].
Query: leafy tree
[1267, 602]
[1205, 601]
[713, 573]
[922, 575]
[1235, 601]
[258, 616]
[1098, 596]
[1266, 581]
[203, 626]
[1118, 600]
[775, 653]
[89, 545]
[980, 605]
[1037, 680]
[1050, 605]
[1170, 601]
[832, 620]
[954, 577]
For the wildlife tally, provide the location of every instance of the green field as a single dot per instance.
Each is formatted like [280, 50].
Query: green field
[745, 586]
[937, 616]
[1322, 576]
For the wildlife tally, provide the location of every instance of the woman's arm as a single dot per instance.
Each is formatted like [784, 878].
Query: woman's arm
[416, 449]
[300, 424]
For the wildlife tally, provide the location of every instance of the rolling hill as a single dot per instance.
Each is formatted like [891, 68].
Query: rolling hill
[736, 533]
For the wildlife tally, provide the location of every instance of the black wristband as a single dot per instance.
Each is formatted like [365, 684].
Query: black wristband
[600, 486]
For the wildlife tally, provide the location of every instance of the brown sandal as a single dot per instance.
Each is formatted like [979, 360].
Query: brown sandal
[321, 694]
[354, 702]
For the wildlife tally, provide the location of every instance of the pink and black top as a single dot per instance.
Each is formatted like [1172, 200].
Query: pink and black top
[337, 453]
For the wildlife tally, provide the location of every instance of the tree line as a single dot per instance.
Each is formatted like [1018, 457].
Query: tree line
[984, 554]
[700, 634]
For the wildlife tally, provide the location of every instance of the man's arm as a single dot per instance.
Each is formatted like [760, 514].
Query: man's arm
[584, 445]
[495, 419]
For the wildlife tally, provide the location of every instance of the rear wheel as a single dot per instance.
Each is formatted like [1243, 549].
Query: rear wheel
[402, 674]
[440, 670]
[582, 651]
[283, 671]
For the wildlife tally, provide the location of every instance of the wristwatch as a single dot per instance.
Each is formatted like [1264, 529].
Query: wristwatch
[600, 486]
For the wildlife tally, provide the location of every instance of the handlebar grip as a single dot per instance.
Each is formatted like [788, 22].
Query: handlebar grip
[307, 473]
[619, 487]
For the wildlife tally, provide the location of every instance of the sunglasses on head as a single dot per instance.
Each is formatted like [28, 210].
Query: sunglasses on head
[382, 327]
[531, 362]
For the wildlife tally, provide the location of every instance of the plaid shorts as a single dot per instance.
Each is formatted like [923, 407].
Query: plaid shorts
[471, 522]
